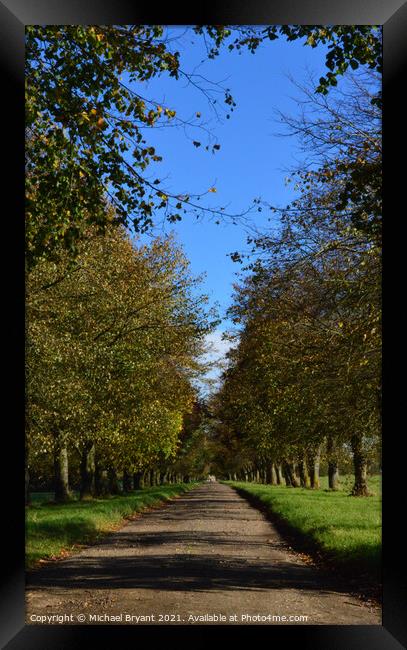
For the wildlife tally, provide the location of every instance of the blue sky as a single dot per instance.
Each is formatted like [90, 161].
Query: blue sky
[252, 161]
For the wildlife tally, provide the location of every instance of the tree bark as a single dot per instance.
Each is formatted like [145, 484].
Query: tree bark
[271, 475]
[101, 481]
[360, 488]
[61, 473]
[114, 487]
[314, 459]
[291, 476]
[87, 489]
[279, 474]
[127, 482]
[303, 473]
[286, 474]
[333, 475]
[333, 468]
[138, 480]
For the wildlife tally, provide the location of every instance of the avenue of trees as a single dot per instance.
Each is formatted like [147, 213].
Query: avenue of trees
[304, 375]
[113, 343]
[115, 329]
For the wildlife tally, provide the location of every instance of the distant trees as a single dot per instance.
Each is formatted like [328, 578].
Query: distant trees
[306, 367]
[112, 348]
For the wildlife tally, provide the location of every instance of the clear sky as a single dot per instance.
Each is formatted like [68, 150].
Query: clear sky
[252, 161]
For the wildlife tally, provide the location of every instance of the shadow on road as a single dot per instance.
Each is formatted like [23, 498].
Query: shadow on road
[181, 572]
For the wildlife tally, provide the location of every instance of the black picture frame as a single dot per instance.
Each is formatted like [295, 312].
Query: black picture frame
[14, 15]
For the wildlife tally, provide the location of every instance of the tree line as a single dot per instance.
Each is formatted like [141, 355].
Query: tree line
[113, 346]
[304, 373]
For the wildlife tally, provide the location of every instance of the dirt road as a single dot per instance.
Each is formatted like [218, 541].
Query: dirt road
[207, 557]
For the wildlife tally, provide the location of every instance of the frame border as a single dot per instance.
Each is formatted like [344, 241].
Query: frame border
[14, 15]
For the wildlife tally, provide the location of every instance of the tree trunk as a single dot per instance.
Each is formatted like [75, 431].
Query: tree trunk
[127, 482]
[270, 474]
[333, 469]
[114, 487]
[279, 474]
[291, 477]
[87, 489]
[61, 473]
[286, 474]
[313, 463]
[138, 480]
[333, 475]
[296, 474]
[101, 481]
[360, 488]
[303, 473]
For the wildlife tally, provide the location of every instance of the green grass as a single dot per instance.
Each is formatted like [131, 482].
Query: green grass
[345, 530]
[55, 530]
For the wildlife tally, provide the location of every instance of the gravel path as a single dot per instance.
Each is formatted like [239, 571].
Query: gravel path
[206, 557]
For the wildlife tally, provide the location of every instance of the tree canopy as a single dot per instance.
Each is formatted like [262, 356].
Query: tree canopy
[87, 119]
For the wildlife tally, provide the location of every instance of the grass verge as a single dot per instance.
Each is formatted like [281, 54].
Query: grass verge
[341, 531]
[54, 531]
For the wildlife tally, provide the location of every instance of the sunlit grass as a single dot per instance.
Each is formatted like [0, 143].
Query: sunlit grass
[53, 530]
[346, 529]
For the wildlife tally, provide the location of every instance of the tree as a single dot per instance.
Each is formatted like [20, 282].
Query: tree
[311, 306]
[112, 349]
[86, 119]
